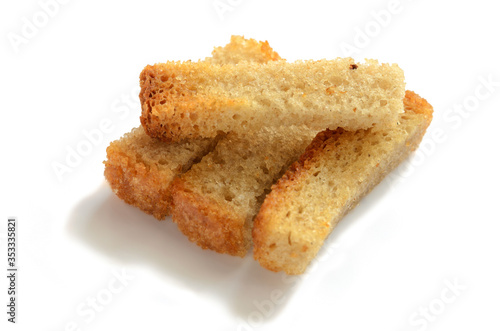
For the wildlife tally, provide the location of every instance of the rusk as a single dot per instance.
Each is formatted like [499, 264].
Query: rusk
[216, 200]
[140, 169]
[334, 173]
[186, 100]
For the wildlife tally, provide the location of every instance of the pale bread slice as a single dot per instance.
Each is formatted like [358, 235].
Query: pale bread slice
[334, 173]
[216, 200]
[186, 100]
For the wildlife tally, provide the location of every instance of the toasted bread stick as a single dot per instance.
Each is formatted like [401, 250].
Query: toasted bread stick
[334, 173]
[186, 100]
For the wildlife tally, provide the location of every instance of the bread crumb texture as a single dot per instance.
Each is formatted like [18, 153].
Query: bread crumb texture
[337, 169]
[140, 169]
[217, 199]
[183, 100]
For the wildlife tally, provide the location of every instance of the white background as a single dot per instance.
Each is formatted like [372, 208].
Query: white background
[432, 223]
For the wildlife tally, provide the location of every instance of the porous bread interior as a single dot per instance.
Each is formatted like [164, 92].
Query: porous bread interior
[140, 168]
[183, 100]
[241, 168]
[232, 181]
[240, 49]
[337, 169]
[168, 157]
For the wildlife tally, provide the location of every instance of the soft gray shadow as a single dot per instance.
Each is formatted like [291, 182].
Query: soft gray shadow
[126, 234]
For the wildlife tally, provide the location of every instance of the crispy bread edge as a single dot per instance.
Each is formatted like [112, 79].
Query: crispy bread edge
[182, 101]
[174, 110]
[208, 224]
[123, 174]
[270, 54]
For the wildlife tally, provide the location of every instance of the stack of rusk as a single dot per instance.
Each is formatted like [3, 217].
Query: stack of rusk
[246, 149]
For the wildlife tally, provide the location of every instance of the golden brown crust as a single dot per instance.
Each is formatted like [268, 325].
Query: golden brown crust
[416, 104]
[206, 224]
[137, 184]
[140, 169]
[268, 52]
[178, 100]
